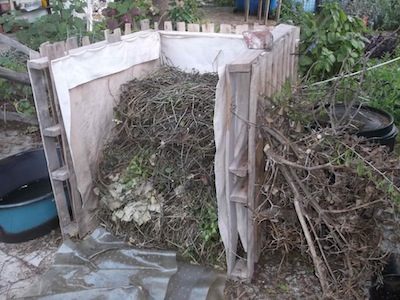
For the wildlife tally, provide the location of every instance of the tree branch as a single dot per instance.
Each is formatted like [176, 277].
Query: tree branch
[299, 211]
[15, 76]
[15, 44]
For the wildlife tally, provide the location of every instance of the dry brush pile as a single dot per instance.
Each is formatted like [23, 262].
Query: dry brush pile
[157, 174]
[329, 195]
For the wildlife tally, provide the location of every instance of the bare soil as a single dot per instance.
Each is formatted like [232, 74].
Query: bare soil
[16, 137]
[277, 276]
[226, 15]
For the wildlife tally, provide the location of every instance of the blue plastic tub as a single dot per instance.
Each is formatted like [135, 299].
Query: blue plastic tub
[27, 206]
[240, 6]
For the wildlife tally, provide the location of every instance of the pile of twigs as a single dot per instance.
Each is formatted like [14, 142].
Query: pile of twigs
[165, 136]
[329, 195]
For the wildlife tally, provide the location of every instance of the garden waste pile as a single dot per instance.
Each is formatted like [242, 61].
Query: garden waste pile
[156, 179]
[331, 196]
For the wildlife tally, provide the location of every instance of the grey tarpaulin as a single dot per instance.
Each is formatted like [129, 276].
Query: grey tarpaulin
[103, 267]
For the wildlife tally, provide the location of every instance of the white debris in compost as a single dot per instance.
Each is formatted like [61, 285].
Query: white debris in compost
[132, 201]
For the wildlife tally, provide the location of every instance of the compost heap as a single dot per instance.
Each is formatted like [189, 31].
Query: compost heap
[157, 174]
[331, 196]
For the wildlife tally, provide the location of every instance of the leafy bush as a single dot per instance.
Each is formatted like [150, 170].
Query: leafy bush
[18, 95]
[383, 14]
[331, 42]
[382, 87]
[185, 11]
[127, 11]
[9, 21]
[58, 26]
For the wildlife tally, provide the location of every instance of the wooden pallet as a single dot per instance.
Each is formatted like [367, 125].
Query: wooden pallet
[249, 78]
[73, 218]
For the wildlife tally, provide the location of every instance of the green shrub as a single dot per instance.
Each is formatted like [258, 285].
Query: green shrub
[16, 94]
[382, 87]
[331, 42]
[185, 11]
[55, 27]
[383, 14]
[221, 3]
[9, 21]
[127, 11]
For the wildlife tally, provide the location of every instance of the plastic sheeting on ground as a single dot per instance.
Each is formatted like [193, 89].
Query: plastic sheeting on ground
[104, 267]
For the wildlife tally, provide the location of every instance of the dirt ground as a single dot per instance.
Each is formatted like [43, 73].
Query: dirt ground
[226, 15]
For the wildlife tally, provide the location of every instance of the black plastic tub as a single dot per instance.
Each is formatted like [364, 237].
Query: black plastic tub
[388, 139]
[389, 289]
[374, 124]
[27, 206]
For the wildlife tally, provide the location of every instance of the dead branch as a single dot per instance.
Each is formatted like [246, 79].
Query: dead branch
[14, 76]
[280, 160]
[17, 45]
[342, 198]
[298, 204]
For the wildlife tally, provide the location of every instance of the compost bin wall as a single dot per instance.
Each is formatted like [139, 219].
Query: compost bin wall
[88, 80]
[90, 128]
[199, 51]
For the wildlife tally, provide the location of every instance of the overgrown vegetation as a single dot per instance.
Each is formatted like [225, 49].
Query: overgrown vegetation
[126, 11]
[58, 26]
[331, 42]
[10, 22]
[381, 14]
[185, 11]
[16, 94]
[381, 86]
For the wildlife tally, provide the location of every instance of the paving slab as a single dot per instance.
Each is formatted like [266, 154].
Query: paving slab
[21, 264]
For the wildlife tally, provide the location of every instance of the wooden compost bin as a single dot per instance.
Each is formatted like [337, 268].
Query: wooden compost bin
[82, 86]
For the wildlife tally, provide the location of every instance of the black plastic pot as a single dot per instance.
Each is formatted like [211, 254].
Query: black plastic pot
[376, 125]
[389, 289]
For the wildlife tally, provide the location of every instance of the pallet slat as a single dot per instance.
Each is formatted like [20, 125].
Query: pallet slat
[209, 27]
[225, 28]
[85, 41]
[268, 71]
[241, 28]
[71, 43]
[52, 131]
[168, 26]
[43, 113]
[113, 37]
[128, 28]
[193, 27]
[60, 174]
[239, 164]
[239, 192]
[180, 26]
[145, 24]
